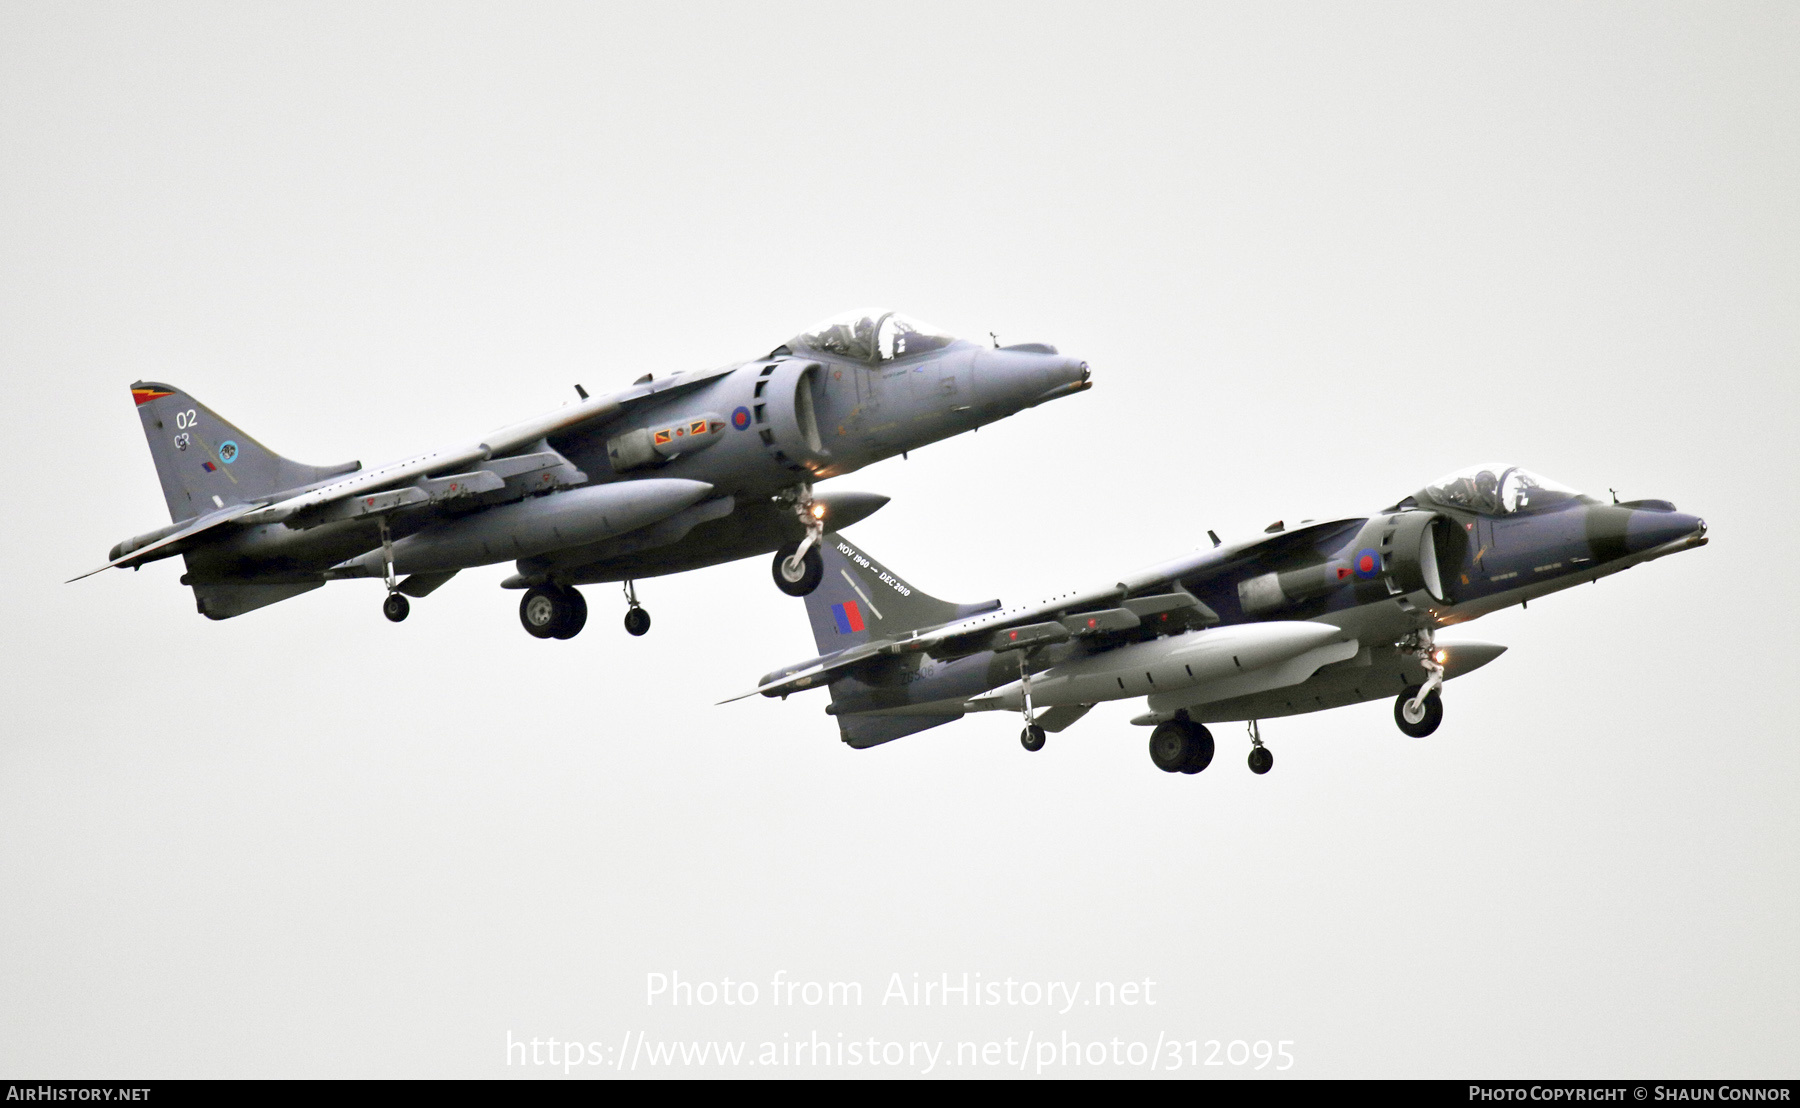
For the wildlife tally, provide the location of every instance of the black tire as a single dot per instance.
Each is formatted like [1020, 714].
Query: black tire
[1261, 760]
[395, 607]
[1429, 718]
[576, 618]
[812, 570]
[637, 621]
[543, 611]
[1171, 745]
[1032, 738]
[1200, 749]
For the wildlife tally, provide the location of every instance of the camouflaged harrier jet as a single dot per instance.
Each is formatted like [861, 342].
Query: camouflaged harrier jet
[668, 475]
[1291, 621]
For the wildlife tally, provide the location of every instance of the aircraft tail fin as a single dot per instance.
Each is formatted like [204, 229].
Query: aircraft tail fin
[859, 600]
[205, 463]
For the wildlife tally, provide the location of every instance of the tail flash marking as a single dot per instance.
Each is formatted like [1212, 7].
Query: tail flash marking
[220, 453]
[145, 396]
[851, 581]
[848, 617]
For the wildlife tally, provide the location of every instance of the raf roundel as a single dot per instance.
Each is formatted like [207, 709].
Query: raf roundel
[1367, 563]
[228, 451]
[740, 418]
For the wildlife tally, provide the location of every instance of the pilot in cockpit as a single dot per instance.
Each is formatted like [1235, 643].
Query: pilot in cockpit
[874, 336]
[1499, 490]
[851, 338]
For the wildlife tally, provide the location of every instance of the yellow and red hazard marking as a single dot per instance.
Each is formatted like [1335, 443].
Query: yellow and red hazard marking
[144, 396]
[694, 427]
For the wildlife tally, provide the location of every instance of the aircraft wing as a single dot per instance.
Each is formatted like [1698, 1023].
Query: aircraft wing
[669, 387]
[160, 548]
[1229, 556]
[1058, 619]
[1112, 607]
[499, 443]
[507, 439]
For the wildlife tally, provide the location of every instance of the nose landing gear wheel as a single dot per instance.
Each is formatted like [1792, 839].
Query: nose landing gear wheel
[1032, 738]
[1421, 720]
[637, 621]
[801, 579]
[395, 607]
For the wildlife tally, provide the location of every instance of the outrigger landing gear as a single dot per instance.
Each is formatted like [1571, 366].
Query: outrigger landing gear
[637, 620]
[1419, 708]
[1181, 746]
[1032, 738]
[396, 606]
[1262, 759]
[798, 567]
[553, 611]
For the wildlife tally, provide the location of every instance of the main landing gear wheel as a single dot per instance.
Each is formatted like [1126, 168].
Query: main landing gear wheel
[551, 612]
[395, 607]
[802, 578]
[1200, 749]
[576, 617]
[1032, 738]
[1181, 746]
[1421, 719]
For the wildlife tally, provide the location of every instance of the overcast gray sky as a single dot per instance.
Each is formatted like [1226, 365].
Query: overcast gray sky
[1316, 254]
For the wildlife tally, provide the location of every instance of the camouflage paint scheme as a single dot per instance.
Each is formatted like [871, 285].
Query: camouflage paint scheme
[668, 475]
[1294, 620]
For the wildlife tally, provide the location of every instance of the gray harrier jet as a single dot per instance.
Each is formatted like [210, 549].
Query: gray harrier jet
[1301, 620]
[668, 475]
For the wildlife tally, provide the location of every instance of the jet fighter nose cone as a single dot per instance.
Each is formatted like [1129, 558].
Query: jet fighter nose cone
[1649, 529]
[1013, 378]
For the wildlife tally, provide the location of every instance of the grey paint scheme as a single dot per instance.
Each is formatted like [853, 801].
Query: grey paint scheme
[256, 528]
[1209, 637]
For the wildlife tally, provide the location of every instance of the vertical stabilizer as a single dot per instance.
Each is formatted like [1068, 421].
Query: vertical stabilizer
[205, 463]
[860, 600]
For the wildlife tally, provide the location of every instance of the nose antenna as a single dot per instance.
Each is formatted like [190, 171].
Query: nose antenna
[996, 339]
[1615, 494]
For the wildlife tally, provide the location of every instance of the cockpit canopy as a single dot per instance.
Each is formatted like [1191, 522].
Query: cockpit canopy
[873, 335]
[1497, 489]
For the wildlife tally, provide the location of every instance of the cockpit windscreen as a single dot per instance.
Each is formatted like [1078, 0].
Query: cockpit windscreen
[1497, 489]
[873, 335]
